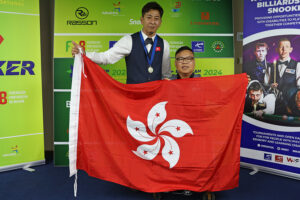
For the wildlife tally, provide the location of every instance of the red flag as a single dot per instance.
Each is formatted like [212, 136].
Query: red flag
[157, 136]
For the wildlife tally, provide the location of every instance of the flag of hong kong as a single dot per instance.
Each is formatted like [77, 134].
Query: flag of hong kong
[157, 136]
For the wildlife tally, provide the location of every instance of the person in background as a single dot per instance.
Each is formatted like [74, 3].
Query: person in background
[259, 69]
[147, 55]
[285, 74]
[257, 101]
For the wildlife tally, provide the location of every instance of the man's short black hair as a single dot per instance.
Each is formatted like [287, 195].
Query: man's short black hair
[255, 86]
[182, 49]
[152, 6]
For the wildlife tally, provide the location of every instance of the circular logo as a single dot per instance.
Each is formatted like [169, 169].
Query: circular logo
[217, 46]
[81, 13]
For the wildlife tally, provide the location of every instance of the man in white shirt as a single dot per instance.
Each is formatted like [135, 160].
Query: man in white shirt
[147, 55]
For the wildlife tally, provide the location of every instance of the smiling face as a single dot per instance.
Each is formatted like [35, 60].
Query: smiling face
[284, 49]
[185, 63]
[151, 22]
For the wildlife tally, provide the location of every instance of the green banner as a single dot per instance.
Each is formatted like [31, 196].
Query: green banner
[204, 25]
[21, 111]
[111, 16]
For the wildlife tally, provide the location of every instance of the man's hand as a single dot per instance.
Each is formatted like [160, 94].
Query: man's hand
[258, 113]
[274, 85]
[75, 49]
[249, 79]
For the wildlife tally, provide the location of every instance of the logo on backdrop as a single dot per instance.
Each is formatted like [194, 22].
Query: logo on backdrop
[217, 46]
[292, 160]
[81, 13]
[112, 43]
[204, 15]
[198, 46]
[69, 44]
[1, 39]
[15, 149]
[278, 158]
[134, 22]
[177, 6]
[117, 6]
[177, 128]
[267, 156]
[116, 10]
[15, 68]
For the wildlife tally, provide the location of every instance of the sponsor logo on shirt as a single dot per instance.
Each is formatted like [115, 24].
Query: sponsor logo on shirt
[290, 71]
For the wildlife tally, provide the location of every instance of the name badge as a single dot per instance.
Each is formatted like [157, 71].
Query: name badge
[290, 71]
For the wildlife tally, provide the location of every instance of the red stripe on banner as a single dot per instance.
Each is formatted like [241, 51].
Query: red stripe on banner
[1, 39]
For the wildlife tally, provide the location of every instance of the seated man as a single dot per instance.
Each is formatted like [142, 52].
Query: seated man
[185, 63]
[257, 102]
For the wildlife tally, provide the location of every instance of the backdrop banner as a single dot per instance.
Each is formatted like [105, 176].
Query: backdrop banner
[205, 26]
[21, 111]
[271, 122]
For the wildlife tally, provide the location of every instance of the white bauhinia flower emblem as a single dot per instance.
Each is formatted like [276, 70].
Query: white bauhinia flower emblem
[175, 127]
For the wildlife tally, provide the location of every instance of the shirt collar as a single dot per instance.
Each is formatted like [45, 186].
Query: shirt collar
[145, 36]
[191, 76]
[288, 59]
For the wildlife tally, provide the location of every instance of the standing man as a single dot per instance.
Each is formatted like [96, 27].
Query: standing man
[185, 63]
[146, 54]
[259, 69]
[287, 70]
[285, 74]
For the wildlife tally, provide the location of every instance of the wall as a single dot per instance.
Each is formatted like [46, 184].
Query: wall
[47, 28]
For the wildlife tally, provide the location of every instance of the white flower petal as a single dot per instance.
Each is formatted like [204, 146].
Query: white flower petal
[156, 115]
[177, 128]
[171, 151]
[138, 130]
[148, 152]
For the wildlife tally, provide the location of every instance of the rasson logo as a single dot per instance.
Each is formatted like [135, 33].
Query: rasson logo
[82, 13]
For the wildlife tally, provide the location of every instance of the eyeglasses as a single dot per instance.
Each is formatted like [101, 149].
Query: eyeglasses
[185, 59]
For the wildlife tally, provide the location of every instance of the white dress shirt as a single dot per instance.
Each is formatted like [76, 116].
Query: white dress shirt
[123, 48]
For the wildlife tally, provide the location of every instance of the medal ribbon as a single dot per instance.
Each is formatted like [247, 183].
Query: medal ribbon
[150, 61]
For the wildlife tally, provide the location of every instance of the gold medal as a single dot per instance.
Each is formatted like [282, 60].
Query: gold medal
[150, 69]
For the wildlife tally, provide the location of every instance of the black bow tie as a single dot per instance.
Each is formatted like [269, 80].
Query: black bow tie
[283, 63]
[148, 41]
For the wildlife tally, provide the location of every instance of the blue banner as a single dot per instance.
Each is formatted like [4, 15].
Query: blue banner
[271, 54]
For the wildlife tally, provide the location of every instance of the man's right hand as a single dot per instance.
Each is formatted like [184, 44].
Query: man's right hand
[75, 49]
[249, 79]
